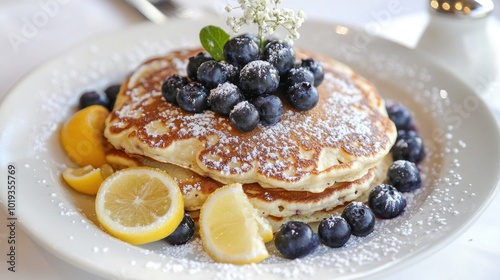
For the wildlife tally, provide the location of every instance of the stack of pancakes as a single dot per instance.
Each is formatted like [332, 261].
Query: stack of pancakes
[303, 168]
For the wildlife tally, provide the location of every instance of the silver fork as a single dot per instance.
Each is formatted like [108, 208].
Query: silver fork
[158, 11]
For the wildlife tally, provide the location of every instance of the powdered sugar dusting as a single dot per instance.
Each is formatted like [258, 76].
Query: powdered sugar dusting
[223, 90]
[260, 68]
[244, 105]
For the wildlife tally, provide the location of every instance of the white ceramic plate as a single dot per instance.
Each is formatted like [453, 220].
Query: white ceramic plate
[460, 170]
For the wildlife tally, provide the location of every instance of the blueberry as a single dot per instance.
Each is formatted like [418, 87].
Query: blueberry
[111, 92]
[270, 108]
[298, 75]
[252, 37]
[280, 55]
[244, 116]
[193, 97]
[409, 146]
[400, 115]
[171, 86]
[241, 50]
[302, 96]
[183, 233]
[295, 240]
[270, 39]
[316, 69]
[403, 134]
[404, 176]
[223, 98]
[360, 218]
[232, 72]
[257, 78]
[194, 63]
[93, 97]
[386, 201]
[334, 231]
[212, 73]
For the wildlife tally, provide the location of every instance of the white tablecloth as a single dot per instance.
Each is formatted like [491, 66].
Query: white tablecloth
[52, 26]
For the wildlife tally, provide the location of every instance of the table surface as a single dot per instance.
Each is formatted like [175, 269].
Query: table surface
[473, 255]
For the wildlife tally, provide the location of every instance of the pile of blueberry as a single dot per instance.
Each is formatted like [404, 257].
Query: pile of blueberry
[297, 239]
[246, 86]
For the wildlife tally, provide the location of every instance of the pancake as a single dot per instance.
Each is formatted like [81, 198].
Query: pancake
[340, 140]
[316, 216]
[273, 203]
[120, 160]
[282, 203]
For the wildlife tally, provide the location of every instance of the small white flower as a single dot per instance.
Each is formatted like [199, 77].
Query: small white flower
[268, 16]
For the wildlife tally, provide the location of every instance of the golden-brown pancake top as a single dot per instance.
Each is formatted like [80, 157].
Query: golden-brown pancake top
[347, 133]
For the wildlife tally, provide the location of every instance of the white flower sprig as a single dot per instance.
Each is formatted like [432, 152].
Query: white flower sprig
[268, 17]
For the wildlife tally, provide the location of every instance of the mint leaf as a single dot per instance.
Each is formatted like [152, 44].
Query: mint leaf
[213, 39]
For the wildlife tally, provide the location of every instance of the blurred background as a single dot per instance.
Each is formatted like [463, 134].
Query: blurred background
[33, 31]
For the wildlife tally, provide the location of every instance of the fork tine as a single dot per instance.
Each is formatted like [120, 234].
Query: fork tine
[149, 10]
[172, 9]
[165, 6]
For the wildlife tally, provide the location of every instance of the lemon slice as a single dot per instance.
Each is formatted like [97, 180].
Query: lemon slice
[230, 228]
[82, 136]
[139, 205]
[86, 179]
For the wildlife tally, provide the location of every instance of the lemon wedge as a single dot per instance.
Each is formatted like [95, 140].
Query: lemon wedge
[139, 205]
[265, 229]
[86, 179]
[231, 229]
[82, 136]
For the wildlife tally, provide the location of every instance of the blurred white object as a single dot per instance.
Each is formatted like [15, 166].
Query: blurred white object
[461, 36]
